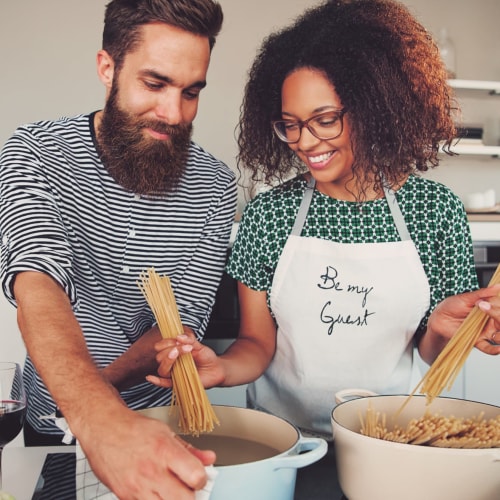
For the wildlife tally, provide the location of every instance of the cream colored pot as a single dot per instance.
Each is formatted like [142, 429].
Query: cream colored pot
[374, 469]
[271, 478]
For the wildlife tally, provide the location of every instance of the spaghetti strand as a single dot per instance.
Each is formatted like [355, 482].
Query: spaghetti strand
[196, 414]
[444, 370]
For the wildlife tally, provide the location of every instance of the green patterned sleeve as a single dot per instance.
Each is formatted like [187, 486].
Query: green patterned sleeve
[247, 258]
[458, 271]
[449, 260]
[263, 231]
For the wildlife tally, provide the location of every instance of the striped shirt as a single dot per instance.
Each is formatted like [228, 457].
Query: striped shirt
[62, 214]
[434, 216]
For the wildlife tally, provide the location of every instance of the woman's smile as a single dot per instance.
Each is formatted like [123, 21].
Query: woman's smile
[305, 93]
[319, 161]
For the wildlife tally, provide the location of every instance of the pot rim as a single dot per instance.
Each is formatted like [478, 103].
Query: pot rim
[393, 396]
[259, 412]
[299, 447]
[405, 446]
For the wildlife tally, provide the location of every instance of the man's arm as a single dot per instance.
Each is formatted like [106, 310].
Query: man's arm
[106, 429]
[139, 361]
[135, 363]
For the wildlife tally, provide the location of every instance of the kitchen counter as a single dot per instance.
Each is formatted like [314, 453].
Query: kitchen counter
[319, 481]
[21, 468]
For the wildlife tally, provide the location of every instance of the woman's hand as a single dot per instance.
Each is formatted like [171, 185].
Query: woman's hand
[169, 350]
[449, 314]
[489, 340]
[242, 362]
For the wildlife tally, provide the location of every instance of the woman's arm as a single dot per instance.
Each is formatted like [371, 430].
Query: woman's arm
[245, 359]
[250, 355]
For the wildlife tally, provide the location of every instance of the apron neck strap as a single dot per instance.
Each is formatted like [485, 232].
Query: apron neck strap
[304, 207]
[389, 195]
[399, 220]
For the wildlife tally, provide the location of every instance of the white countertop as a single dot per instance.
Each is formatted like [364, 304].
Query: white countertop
[21, 468]
[485, 231]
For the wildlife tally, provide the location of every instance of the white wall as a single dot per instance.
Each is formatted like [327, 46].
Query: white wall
[47, 56]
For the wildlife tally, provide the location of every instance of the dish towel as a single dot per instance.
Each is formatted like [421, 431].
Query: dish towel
[88, 487]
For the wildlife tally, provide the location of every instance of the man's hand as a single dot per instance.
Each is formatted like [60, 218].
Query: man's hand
[134, 456]
[139, 458]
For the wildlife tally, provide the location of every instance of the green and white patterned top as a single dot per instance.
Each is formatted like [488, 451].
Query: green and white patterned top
[434, 215]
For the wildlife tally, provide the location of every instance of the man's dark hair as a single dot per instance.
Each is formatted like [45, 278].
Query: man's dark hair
[124, 18]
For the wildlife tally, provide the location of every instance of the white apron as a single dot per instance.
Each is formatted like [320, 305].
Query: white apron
[346, 316]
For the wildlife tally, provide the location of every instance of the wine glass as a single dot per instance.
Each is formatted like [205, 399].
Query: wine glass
[12, 405]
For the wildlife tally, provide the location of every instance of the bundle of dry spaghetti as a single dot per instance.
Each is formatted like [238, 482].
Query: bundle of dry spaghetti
[446, 367]
[195, 410]
[436, 430]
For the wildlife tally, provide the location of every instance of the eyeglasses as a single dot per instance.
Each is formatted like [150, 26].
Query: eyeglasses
[324, 126]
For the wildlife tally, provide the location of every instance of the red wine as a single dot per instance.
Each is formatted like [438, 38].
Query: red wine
[12, 415]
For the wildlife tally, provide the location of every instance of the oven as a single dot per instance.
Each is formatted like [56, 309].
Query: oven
[225, 319]
[486, 260]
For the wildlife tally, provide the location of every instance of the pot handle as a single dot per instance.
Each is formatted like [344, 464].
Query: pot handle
[345, 394]
[308, 451]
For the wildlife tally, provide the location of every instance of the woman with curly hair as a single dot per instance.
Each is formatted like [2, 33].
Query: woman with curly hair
[342, 265]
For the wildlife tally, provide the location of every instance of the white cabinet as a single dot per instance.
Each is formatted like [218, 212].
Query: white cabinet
[477, 381]
[481, 378]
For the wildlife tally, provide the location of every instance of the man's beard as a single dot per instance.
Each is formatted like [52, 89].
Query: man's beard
[141, 164]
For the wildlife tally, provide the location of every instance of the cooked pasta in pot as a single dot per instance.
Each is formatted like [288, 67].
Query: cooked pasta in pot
[435, 430]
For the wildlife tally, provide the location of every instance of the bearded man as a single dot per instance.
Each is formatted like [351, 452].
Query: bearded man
[89, 202]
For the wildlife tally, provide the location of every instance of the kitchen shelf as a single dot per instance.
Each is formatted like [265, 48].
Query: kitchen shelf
[483, 217]
[476, 86]
[476, 150]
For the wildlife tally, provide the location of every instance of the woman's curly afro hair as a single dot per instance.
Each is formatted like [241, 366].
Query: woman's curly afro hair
[386, 70]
